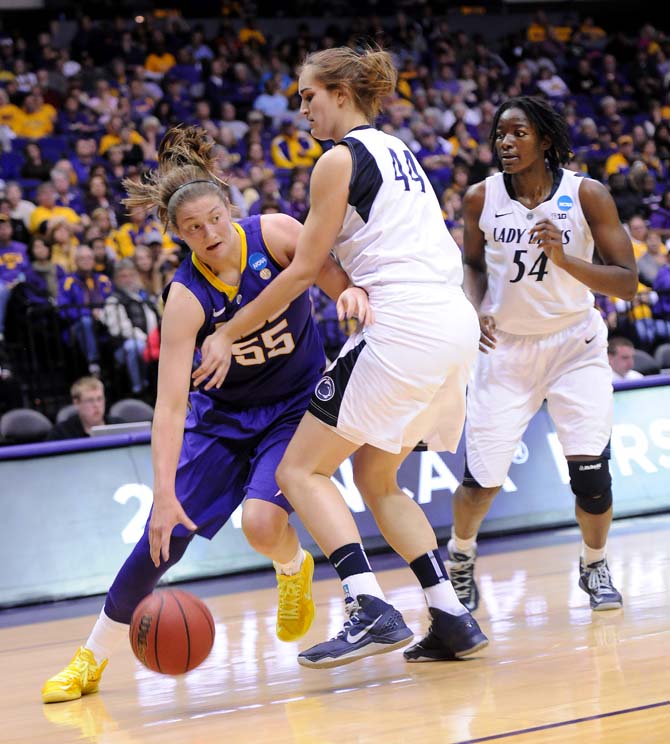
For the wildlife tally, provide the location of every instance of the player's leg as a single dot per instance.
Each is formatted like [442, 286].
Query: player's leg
[137, 577]
[208, 505]
[580, 402]
[265, 522]
[501, 400]
[404, 525]
[373, 626]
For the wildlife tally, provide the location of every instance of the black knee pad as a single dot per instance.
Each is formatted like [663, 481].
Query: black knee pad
[591, 483]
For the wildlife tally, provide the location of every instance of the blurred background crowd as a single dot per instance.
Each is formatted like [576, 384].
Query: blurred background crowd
[85, 100]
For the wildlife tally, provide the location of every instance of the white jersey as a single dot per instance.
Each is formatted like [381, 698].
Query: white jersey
[393, 230]
[528, 294]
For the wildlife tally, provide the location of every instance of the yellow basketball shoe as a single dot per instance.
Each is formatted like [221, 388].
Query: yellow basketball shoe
[295, 610]
[80, 677]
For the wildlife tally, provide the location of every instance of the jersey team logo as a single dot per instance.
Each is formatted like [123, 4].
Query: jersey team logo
[265, 273]
[325, 388]
[565, 203]
[257, 261]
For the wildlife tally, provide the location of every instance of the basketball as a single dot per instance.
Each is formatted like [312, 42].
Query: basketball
[171, 631]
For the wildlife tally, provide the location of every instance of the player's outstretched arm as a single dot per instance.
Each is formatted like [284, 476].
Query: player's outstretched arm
[182, 318]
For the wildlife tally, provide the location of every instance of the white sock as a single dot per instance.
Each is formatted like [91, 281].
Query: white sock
[443, 597]
[593, 555]
[362, 583]
[106, 636]
[467, 545]
[293, 566]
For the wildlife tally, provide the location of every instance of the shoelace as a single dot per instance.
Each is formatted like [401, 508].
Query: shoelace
[460, 574]
[75, 671]
[600, 579]
[352, 609]
[290, 594]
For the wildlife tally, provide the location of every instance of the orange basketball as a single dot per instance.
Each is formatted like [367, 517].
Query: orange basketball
[171, 631]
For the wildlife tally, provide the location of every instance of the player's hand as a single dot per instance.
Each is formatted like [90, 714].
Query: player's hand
[487, 339]
[354, 303]
[166, 515]
[550, 239]
[216, 351]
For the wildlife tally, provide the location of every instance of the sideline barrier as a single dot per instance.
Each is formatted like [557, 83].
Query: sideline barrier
[72, 510]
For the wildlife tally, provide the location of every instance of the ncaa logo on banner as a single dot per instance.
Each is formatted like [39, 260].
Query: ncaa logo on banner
[325, 388]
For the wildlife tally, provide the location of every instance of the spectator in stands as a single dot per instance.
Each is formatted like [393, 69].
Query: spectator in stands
[39, 118]
[74, 119]
[637, 227]
[13, 267]
[621, 356]
[62, 241]
[159, 60]
[11, 115]
[298, 200]
[230, 121]
[19, 208]
[435, 156]
[269, 192]
[97, 195]
[650, 262]
[622, 159]
[88, 397]
[44, 277]
[272, 103]
[293, 147]
[660, 217]
[103, 255]
[85, 149]
[628, 203]
[103, 103]
[35, 166]
[136, 230]
[47, 209]
[81, 297]
[130, 316]
[67, 195]
[662, 306]
[650, 197]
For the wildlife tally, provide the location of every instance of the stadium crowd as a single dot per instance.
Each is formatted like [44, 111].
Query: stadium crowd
[83, 107]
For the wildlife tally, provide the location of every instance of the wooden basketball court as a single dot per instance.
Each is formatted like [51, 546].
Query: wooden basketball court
[554, 671]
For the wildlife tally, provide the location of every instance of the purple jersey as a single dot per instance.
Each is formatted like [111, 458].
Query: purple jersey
[282, 358]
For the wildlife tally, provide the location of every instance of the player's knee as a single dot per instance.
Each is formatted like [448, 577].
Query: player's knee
[373, 484]
[591, 483]
[263, 527]
[288, 476]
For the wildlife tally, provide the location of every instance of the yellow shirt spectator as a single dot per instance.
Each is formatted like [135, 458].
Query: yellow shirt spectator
[159, 63]
[129, 235]
[38, 119]
[293, 148]
[109, 140]
[10, 115]
[44, 214]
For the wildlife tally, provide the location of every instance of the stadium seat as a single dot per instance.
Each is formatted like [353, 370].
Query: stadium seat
[662, 356]
[131, 409]
[65, 412]
[23, 425]
[645, 363]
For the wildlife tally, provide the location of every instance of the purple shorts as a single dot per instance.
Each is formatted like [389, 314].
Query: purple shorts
[228, 455]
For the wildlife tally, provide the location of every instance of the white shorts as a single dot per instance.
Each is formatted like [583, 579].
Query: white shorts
[569, 369]
[403, 378]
